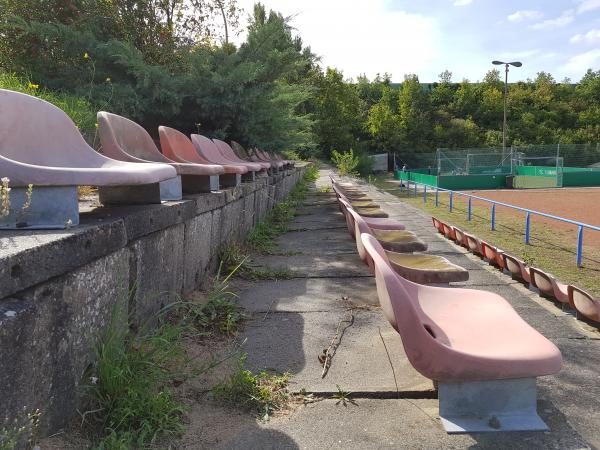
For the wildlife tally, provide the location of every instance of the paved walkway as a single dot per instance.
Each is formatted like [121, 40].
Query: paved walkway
[333, 297]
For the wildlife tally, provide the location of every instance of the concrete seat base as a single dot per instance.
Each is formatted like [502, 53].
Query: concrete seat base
[230, 180]
[426, 269]
[168, 190]
[490, 406]
[248, 177]
[52, 207]
[195, 184]
[399, 241]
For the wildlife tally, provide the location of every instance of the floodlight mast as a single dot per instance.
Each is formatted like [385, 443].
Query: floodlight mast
[515, 64]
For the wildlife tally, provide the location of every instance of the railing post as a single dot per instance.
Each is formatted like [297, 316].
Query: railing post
[415, 189]
[408, 187]
[401, 183]
[579, 246]
[527, 224]
[450, 201]
[470, 209]
[425, 194]
[493, 216]
[436, 197]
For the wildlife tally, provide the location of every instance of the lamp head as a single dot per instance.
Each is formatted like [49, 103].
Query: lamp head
[497, 63]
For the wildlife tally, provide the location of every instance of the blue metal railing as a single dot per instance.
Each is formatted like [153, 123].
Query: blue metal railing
[528, 212]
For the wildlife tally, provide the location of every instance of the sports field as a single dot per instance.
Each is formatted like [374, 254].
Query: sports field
[580, 204]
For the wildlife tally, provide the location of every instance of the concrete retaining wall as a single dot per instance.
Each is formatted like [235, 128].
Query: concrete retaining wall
[59, 288]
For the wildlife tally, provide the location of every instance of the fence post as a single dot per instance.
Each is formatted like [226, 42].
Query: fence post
[436, 197]
[425, 194]
[401, 182]
[450, 201]
[527, 224]
[579, 246]
[493, 216]
[470, 208]
[415, 189]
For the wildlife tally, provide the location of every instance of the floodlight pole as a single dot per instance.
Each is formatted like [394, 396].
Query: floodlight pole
[516, 64]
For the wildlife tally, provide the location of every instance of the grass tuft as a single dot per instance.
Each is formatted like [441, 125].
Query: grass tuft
[263, 393]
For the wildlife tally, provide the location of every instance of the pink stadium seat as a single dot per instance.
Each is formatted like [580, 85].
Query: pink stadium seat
[228, 153]
[516, 267]
[178, 147]
[483, 355]
[125, 140]
[584, 303]
[208, 150]
[373, 222]
[439, 226]
[40, 145]
[473, 244]
[549, 285]
[493, 254]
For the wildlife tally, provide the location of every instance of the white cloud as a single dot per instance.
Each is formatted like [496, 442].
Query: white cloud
[361, 37]
[563, 20]
[591, 37]
[462, 2]
[587, 5]
[578, 64]
[525, 14]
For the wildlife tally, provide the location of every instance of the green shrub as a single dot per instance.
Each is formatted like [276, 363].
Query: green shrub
[345, 162]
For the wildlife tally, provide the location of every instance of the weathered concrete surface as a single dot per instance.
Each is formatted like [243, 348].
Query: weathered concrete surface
[336, 265]
[389, 424]
[48, 335]
[58, 288]
[292, 342]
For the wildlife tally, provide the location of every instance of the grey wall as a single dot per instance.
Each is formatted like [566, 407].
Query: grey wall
[59, 288]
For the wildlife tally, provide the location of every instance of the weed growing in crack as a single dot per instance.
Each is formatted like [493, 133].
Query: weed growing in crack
[263, 393]
[343, 397]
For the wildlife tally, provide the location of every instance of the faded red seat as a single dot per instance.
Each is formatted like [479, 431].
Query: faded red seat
[258, 156]
[483, 355]
[377, 223]
[40, 145]
[401, 241]
[449, 231]
[493, 254]
[473, 244]
[426, 269]
[208, 150]
[125, 140]
[460, 237]
[549, 285]
[178, 147]
[439, 226]
[584, 303]
[516, 267]
[228, 153]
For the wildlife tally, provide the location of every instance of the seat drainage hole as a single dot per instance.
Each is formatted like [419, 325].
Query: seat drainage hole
[429, 330]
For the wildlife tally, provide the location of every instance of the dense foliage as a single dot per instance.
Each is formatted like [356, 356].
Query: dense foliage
[170, 62]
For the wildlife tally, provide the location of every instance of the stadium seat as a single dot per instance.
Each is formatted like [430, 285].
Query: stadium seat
[40, 145]
[373, 222]
[125, 140]
[228, 153]
[460, 237]
[424, 269]
[516, 267]
[449, 231]
[492, 254]
[584, 303]
[401, 241]
[208, 150]
[548, 285]
[178, 147]
[439, 226]
[473, 244]
[483, 355]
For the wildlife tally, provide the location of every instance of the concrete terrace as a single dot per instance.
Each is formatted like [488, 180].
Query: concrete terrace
[332, 297]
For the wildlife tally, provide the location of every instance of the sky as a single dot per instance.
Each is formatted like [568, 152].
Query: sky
[426, 37]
